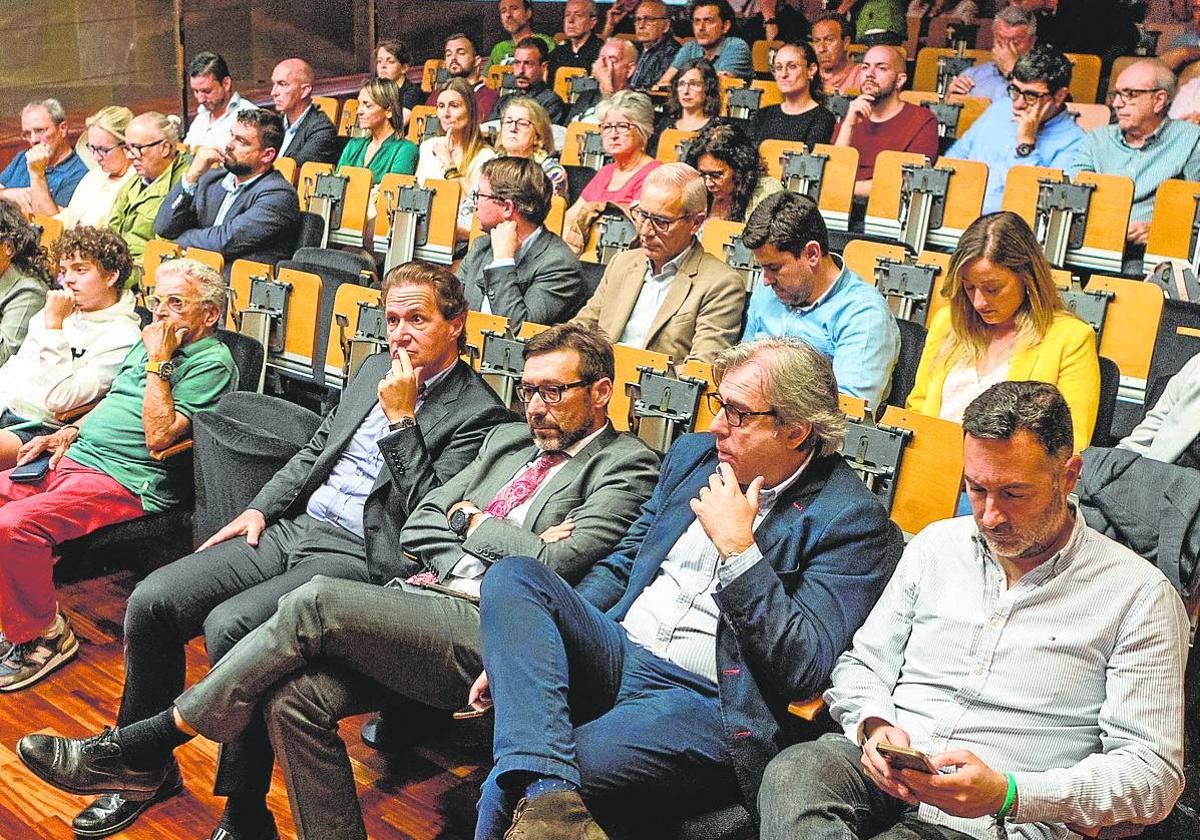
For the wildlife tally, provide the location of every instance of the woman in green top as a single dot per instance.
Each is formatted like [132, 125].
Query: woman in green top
[383, 150]
[25, 277]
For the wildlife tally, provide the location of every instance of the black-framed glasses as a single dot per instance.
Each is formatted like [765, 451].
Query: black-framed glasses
[1129, 94]
[733, 416]
[660, 224]
[550, 394]
[138, 149]
[101, 151]
[516, 122]
[1030, 97]
[477, 194]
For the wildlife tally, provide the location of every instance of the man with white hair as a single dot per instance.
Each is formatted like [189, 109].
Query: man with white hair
[669, 295]
[49, 158]
[612, 71]
[1144, 144]
[582, 47]
[1014, 32]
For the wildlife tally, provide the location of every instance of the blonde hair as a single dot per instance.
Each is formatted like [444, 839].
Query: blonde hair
[1005, 240]
[537, 116]
[113, 119]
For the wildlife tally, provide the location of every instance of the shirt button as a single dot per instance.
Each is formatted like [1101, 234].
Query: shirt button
[979, 671]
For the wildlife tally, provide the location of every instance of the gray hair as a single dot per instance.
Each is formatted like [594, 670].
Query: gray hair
[208, 282]
[590, 4]
[636, 107]
[627, 48]
[684, 180]
[53, 107]
[797, 381]
[1014, 15]
[168, 124]
[1162, 78]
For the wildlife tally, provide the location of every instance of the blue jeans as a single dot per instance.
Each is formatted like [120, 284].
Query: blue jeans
[576, 699]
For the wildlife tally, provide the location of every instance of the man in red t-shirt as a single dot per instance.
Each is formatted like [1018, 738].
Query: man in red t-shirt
[878, 120]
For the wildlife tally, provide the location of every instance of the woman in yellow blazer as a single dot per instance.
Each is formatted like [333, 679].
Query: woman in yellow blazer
[1005, 321]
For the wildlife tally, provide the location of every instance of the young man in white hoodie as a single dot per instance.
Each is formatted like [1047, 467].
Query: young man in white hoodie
[75, 344]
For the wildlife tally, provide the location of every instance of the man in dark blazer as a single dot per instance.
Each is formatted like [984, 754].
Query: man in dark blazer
[404, 426]
[308, 134]
[244, 209]
[519, 269]
[562, 487]
[660, 684]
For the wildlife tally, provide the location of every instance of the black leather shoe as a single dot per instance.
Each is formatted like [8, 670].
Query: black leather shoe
[112, 812]
[89, 765]
[224, 834]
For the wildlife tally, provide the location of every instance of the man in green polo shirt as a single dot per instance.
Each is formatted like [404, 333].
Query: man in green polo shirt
[516, 17]
[101, 471]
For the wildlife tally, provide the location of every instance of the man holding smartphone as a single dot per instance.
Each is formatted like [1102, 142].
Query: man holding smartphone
[1034, 664]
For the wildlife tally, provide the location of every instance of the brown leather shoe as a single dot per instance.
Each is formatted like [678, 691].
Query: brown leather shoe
[560, 815]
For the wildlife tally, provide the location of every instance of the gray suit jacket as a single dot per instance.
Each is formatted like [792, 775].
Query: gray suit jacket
[455, 417]
[545, 286]
[601, 489]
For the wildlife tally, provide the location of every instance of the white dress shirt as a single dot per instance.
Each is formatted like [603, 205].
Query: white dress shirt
[206, 131]
[650, 299]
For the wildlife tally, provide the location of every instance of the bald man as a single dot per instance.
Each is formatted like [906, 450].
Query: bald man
[612, 70]
[878, 120]
[307, 133]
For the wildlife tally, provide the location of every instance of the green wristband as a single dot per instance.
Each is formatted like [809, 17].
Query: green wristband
[1008, 797]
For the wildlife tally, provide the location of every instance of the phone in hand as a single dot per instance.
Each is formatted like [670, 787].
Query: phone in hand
[905, 758]
[470, 713]
[33, 471]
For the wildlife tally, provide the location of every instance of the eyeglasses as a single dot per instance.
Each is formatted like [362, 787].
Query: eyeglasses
[476, 195]
[138, 149]
[790, 67]
[550, 394]
[660, 224]
[1129, 94]
[711, 175]
[617, 128]
[638, 21]
[1030, 97]
[689, 84]
[175, 303]
[101, 151]
[733, 416]
[516, 122]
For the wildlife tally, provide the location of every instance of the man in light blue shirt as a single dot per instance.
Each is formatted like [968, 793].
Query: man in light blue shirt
[730, 55]
[1014, 32]
[1036, 130]
[806, 294]
[1145, 144]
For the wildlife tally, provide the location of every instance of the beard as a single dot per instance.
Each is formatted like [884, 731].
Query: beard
[1030, 539]
[550, 437]
[236, 168]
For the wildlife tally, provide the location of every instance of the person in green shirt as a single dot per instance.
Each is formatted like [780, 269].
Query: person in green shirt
[151, 141]
[515, 17]
[383, 148]
[102, 470]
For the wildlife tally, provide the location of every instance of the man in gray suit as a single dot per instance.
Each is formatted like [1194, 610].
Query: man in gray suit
[562, 488]
[405, 425]
[519, 269]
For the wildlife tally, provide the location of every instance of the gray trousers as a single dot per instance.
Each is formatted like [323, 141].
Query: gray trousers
[818, 791]
[332, 649]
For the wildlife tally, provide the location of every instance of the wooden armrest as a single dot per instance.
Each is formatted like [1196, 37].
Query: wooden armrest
[172, 450]
[807, 708]
[72, 414]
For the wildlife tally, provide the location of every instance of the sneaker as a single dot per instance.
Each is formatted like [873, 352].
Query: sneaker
[28, 662]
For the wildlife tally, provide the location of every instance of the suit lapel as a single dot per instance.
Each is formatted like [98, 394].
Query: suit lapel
[502, 471]
[569, 473]
[677, 293]
[781, 521]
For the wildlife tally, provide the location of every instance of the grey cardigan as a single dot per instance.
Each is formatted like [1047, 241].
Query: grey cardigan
[1174, 422]
[21, 297]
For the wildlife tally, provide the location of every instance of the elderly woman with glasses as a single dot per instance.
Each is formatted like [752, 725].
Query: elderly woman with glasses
[92, 201]
[525, 133]
[626, 123]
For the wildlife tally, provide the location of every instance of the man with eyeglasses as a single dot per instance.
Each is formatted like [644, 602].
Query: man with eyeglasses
[729, 54]
[50, 157]
[1034, 130]
[612, 72]
[151, 141]
[1014, 32]
[1145, 144]
[658, 687]
[669, 295]
[519, 269]
[529, 75]
[102, 469]
[652, 28]
[245, 208]
[563, 487]
[582, 47]
[462, 60]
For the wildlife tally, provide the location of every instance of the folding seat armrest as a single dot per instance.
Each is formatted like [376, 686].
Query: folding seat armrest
[172, 450]
[73, 414]
[807, 708]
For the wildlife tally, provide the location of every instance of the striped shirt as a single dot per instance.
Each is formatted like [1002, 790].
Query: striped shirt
[1072, 679]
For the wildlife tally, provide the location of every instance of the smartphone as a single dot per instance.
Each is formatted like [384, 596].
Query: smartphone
[470, 713]
[35, 470]
[906, 758]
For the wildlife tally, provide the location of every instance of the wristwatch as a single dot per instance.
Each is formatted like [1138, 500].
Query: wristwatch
[460, 520]
[164, 369]
[403, 423]
[1024, 149]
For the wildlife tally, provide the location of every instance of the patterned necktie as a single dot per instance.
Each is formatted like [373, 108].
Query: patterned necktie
[521, 488]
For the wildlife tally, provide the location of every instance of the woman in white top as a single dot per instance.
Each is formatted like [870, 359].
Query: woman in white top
[92, 202]
[76, 343]
[460, 152]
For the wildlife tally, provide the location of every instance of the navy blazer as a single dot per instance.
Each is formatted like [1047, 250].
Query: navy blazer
[828, 551]
[262, 224]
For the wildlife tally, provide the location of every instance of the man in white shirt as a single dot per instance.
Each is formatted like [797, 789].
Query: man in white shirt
[1035, 663]
[217, 102]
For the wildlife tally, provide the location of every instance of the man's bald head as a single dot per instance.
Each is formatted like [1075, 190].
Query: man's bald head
[298, 69]
[291, 87]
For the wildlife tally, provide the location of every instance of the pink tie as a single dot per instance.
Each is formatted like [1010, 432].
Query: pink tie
[524, 485]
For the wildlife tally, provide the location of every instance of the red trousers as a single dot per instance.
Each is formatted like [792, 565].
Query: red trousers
[70, 501]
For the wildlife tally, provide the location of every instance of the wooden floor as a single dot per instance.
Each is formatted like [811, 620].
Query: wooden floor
[423, 794]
